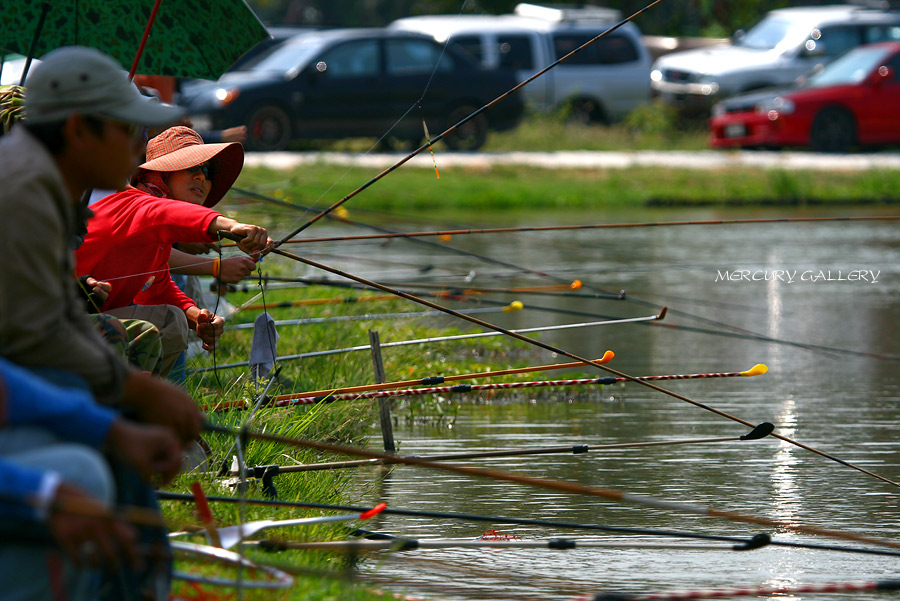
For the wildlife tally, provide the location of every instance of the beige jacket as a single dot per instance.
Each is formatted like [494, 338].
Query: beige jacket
[43, 322]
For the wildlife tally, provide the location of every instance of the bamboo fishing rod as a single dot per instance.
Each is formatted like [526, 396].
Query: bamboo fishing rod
[464, 120]
[305, 398]
[471, 517]
[551, 484]
[432, 380]
[760, 431]
[559, 351]
[554, 228]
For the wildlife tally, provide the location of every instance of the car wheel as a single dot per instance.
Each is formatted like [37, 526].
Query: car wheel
[268, 128]
[471, 135]
[584, 111]
[833, 130]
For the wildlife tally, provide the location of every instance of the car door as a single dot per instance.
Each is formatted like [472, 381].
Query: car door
[342, 91]
[418, 68]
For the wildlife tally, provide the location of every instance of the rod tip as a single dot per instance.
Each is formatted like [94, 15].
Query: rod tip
[513, 306]
[607, 357]
[757, 370]
[662, 313]
[372, 512]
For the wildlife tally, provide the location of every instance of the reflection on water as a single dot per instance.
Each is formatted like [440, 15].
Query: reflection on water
[844, 402]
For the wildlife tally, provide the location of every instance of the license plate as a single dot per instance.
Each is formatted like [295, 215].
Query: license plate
[735, 130]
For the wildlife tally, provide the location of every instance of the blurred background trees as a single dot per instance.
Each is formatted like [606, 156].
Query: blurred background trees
[717, 18]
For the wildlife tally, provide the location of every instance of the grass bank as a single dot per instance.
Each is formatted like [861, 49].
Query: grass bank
[500, 188]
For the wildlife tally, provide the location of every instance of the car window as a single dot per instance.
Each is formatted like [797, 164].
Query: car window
[769, 33]
[471, 44]
[416, 57]
[605, 51]
[515, 51]
[358, 58]
[286, 56]
[837, 40]
[880, 33]
[851, 68]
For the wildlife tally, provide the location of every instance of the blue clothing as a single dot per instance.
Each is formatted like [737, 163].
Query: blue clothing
[69, 414]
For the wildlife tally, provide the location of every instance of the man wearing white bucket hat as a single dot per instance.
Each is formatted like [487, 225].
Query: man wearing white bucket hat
[80, 132]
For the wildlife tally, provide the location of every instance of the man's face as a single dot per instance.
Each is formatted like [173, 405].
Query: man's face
[110, 152]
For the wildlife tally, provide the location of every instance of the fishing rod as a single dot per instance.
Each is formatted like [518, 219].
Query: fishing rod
[559, 351]
[551, 484]
[561, 290]
[755, 591]
[366, 347]
[738, 335]
[409, 544]
[760, 431]
[553, 228]
[304, 398]
[513, 306]
[182, 497]
[232, 535]
[314, 302]
[431, 380]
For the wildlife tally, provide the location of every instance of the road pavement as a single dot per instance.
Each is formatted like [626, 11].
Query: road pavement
[584, 159]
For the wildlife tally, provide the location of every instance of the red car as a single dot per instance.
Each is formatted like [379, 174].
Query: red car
[854, 101]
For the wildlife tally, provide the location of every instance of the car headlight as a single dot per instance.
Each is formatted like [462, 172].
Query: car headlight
[777, 106]
[656, 75]
[227, 96]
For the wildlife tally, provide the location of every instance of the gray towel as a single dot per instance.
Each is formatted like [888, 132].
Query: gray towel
[263, 351]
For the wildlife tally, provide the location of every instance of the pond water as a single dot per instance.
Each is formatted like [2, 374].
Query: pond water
[844, 401]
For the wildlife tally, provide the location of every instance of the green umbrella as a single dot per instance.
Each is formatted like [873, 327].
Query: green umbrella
[189, 38]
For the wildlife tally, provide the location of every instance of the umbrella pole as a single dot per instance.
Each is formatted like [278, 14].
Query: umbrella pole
[140, 51]
[37, 35]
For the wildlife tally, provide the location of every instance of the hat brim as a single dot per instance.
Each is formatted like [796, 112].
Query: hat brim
[227, 160]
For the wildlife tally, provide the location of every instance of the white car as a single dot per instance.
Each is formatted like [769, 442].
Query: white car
[604, 82]
[786, 44]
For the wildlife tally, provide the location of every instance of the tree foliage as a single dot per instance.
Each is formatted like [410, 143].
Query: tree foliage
[672, 17]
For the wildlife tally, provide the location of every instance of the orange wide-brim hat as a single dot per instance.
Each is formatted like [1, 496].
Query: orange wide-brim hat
[181, 147]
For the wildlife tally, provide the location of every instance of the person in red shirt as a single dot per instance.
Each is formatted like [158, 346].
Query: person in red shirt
[130, 236]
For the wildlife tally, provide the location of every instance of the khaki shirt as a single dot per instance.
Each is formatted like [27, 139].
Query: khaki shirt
[43, 322]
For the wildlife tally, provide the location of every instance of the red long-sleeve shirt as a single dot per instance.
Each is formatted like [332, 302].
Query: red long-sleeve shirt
[128, 243]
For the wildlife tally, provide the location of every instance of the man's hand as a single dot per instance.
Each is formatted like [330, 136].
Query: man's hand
[254, 237]
[236, 269]
[157, 401]
[209, 327]
[98, 288]
[150, 450]
[87, 532]
[235, 134]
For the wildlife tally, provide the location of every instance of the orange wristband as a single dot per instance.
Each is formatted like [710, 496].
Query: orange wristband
[216, 268]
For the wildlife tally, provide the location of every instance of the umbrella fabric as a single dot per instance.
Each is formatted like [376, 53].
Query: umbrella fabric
[190, 38]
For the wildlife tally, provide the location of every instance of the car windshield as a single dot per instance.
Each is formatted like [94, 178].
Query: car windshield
[286, 56]
[773, 33]
[851, 68]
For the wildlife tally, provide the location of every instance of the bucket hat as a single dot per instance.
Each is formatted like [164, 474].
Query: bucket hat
[78, 80]
[181, 147]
